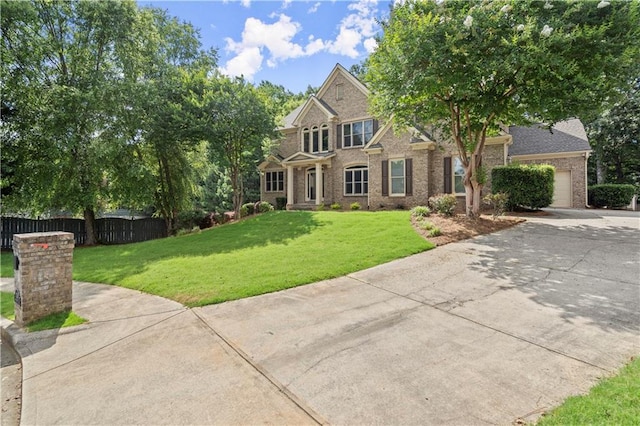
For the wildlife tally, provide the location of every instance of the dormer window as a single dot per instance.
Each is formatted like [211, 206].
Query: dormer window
[315, 140]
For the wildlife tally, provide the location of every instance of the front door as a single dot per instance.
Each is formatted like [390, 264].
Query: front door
[311, 185]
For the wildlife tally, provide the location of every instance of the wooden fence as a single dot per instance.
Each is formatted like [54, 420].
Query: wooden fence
[109, 230]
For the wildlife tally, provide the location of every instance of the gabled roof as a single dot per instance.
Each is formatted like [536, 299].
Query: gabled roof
[271, 159]
[564, 136]
[339, 69]
[313, 100]
[306, 157]
[419, 138]
[288, 119]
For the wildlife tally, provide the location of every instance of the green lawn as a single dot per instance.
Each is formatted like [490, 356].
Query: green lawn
[57, 320]
[261, 254]
[614, 401]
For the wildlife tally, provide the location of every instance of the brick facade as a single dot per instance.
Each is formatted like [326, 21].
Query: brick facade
[342, 99]
[43, 274]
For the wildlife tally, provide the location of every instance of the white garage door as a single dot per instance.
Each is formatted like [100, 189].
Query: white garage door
[562, 189]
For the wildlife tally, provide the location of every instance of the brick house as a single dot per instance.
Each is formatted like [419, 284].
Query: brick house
[333, 151]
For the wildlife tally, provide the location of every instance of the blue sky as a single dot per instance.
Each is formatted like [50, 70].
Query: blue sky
[294, 43]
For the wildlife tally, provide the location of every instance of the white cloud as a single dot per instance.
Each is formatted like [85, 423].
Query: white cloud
[370, 44]
[245, 3]
[257, 36]
[274, 42]
[286, 4]
[247, 63]
[354, 27]
[314, 8]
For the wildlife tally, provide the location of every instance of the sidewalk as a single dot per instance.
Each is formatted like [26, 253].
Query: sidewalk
[141, 359]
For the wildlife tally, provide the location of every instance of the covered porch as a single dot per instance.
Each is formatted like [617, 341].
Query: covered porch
[307, 171]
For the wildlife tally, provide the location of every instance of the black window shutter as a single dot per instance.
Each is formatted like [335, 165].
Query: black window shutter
[375, 126]
[385, 178]
[339, 136]
[448, 189]
[408, 175]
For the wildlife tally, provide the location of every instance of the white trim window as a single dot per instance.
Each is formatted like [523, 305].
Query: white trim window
[458, 176]
[274, 181]
[356, 180]
[397, 177]
[358, 133]
[315, 140]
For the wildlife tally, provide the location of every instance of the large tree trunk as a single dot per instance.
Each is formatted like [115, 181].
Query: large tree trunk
[472, 187]
[600, 172]
[90, 226]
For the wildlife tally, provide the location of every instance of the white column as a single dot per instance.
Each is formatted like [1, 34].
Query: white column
[290, 200]
[318, 184]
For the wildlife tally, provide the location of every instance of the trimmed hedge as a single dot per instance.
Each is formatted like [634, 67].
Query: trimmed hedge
[528, 185]
[611, 195]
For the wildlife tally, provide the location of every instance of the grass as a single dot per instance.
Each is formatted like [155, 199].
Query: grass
[614, 401]
[264, 253]
[57, 320]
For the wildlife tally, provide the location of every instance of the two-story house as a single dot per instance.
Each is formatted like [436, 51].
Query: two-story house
[334, 151]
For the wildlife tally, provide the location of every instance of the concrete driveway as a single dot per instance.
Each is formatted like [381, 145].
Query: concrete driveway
[487, 331]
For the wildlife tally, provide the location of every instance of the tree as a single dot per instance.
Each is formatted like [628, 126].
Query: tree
[63, 68]
[615, 139]
[239, 124]
[468, 66]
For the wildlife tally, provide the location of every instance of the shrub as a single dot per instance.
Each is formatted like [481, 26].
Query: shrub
[247, 209]
[281, 203]
[435, 232]
[189, 219]
[611, 195]
[355, 206]
[207, 221]
[420, 211]
[426, 225]
[498, 202]
[444, 204]
[320, 207]
[264, 207]
[336, 206]
[526, 185]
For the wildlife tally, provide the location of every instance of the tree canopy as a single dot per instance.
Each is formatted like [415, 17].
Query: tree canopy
[467, 67]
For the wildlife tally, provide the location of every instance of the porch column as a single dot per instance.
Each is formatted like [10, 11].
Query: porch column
[290, 200]
[318, 184]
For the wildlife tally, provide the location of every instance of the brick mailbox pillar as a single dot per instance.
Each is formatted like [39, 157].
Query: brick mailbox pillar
[42, 270]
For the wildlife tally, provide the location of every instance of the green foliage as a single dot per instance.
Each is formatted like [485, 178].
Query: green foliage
[466, 66]
[615, 139]
[189, 219]
[498, 201]
[444, 204]
[320, 207]
[528, 186]
[614, 401]
[281, 203]
[247, 209]
[611, 195]
[264, 207]
[420, 211]
[336, 206]
[435, 232]
[355, 206]
[211, 266]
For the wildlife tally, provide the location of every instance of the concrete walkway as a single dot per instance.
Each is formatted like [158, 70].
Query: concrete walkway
[487, 331]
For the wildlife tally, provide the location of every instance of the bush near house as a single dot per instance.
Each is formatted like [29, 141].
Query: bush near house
[529, 186]
[611, 195]
[444, 204]
[281, 203]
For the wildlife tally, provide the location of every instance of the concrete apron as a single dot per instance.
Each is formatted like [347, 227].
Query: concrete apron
[487, 331]
[481, 332]
[142, 359]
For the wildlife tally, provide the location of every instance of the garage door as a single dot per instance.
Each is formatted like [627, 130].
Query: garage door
[562, 189]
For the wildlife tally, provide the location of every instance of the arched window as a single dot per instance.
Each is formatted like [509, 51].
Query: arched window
[305, 140]
[356, 180]
[315, 140]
